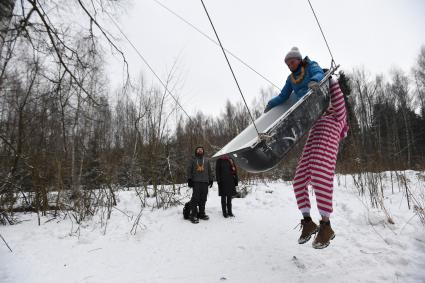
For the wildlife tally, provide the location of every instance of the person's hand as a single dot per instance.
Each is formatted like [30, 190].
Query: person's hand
[313, 85]
[190, 183]
[267, 109]
[210, 183]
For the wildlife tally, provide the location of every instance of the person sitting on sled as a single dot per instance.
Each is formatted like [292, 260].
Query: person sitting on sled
[305, 74]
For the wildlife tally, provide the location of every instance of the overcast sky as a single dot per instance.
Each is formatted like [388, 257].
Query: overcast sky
[375, 34]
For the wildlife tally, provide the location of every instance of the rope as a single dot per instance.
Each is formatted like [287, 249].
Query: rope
[230, 66]
[216, 43]
[159, 79]
[324, 37]
[147, 64]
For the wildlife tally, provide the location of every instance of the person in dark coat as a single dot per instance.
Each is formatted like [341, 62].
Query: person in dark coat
[227, 179]
[199, 177]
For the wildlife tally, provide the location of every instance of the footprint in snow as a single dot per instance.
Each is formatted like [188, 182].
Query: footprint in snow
[297, 263]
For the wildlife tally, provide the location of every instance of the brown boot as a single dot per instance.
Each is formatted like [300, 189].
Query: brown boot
[308, 228]
[324, 236]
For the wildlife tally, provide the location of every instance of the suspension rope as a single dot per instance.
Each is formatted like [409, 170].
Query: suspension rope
[147, 64]
[159, 79]
[324, 37]
[230, 66]
[216, 43]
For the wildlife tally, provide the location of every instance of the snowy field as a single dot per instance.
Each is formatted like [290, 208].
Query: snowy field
[258, 245]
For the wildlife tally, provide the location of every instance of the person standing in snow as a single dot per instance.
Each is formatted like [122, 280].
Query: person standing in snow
[305, 74]
[199, 178]
[227, 180]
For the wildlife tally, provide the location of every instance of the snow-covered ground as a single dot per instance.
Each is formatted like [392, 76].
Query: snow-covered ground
[258, 245]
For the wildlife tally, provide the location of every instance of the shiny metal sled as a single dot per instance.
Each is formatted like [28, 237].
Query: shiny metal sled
[280, 129]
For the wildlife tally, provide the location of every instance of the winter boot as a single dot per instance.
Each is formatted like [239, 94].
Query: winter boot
[223, 207]
[308, 228]
[204, 217]
[194, 220]
[324, 236]
[229, 208]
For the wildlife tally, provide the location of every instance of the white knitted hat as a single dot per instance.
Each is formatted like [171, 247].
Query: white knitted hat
[294, 53]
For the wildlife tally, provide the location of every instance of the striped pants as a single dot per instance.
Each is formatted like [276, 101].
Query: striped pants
[316, 166]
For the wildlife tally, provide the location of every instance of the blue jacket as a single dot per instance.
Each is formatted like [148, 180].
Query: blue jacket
[313, 72]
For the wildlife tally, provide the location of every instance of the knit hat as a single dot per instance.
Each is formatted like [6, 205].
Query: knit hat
[294, 53]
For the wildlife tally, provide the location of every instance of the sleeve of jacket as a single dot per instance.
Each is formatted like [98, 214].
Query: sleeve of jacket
[217, 171]
[316, 72]
[189, 169]
[283, 95]
[337, 101]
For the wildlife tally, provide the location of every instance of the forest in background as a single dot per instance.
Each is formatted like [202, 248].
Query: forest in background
[65, 147]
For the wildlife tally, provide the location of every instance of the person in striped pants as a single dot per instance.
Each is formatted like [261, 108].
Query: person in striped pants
[316, 167]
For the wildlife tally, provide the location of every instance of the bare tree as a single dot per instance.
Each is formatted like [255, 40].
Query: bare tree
[6, 8]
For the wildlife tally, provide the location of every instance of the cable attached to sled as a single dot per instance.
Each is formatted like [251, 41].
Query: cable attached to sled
[333, 64]
[216, 43]
[230, 66]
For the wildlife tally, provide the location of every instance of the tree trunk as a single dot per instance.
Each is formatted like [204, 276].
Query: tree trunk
[6, 10]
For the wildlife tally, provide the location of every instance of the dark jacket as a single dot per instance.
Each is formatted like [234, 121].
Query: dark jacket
[199, 170]
[313, 72]
[227, 177]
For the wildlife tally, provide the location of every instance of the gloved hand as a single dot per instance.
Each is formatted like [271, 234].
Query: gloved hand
[267, 109]
[190, 183]
[313, 85]
[210, 183]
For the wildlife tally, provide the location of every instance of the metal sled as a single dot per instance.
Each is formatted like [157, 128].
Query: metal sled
[280, 129]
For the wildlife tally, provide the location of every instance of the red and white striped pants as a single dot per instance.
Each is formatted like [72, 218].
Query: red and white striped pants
[317, 163]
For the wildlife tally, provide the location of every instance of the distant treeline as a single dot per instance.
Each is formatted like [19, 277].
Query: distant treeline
[60, 131]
